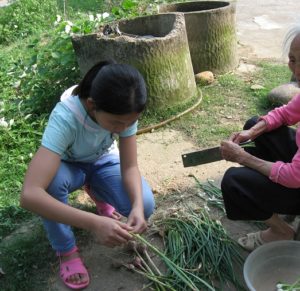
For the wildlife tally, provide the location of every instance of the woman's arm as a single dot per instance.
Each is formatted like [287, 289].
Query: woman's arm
[132, 181]
[286, 174]
[34, 197]
[288, 114]
[234, 153]
[250, 134]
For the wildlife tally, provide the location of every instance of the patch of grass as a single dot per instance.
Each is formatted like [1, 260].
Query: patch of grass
[153, 117]
[23, 18]
[72, 6]
[25, 259]
[229, 102]
[12, 217]
[18, 142]
[272, 74]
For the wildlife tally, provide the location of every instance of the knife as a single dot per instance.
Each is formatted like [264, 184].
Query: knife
[204, 156]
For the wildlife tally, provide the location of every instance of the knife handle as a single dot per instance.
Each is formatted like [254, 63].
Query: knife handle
[244, 143]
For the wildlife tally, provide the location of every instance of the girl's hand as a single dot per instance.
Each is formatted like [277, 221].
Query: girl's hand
[110, 232]
[136, 220]
[231, 151]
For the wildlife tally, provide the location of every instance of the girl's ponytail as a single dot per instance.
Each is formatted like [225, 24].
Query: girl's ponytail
[84, 86]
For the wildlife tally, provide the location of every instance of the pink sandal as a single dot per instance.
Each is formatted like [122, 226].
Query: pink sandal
[103, 208]
[72, 267]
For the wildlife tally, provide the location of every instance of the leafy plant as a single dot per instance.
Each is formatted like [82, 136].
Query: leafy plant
[127, 8]
[25, 17]
[10, 218]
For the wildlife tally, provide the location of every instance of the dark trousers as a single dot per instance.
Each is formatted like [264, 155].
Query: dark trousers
[250, 195]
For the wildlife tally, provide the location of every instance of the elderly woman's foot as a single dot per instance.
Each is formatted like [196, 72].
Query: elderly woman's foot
[272, 234]
[255, 239]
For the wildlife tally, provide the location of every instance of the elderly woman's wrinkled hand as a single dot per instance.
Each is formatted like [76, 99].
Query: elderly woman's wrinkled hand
[231, 151]
[240, 137]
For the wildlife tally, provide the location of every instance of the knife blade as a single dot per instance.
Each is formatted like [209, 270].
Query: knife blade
[201, 157]
[205, 156]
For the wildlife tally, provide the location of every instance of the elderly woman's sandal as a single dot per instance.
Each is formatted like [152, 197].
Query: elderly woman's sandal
[251, 241]
[72, 267]
[295, 224]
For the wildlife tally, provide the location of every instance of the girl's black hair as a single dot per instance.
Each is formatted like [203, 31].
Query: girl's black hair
[115, 88]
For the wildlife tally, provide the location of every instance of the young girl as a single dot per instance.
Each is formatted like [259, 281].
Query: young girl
[78, 149]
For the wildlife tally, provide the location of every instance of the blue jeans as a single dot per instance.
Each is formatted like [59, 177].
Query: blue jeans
[104, 178]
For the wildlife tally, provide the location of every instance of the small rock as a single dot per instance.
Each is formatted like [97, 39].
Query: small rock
[204, 78]
[246, 68]
[283, 93]
[257, 87]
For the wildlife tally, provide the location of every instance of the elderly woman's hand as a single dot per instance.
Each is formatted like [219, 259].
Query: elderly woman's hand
[231, 151]
[240, 137]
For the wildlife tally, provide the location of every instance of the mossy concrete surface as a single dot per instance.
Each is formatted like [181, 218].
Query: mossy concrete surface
[211, 31]
[156, 45]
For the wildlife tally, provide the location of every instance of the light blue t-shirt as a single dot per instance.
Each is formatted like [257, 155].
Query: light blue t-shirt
[73, 135]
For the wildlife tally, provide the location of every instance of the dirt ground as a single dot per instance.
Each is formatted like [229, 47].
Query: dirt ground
[260, 28]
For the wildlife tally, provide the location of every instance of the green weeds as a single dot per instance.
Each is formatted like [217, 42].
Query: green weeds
[24, 259]
[24, 18]
[229, 102]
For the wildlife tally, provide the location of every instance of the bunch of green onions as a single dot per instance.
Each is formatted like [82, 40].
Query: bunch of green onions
[176, 273]
[201, 246]
[198, 255]
[288, 287]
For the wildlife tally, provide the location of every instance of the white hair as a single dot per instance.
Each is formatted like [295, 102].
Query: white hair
[292, 32]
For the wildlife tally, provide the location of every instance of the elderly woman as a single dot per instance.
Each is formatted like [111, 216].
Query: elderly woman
[268, 183]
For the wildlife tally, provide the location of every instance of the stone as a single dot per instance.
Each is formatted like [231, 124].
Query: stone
[257, 87]
[283, 94]
[204, 78]
[245, 68]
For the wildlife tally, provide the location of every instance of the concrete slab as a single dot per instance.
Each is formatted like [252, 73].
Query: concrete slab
[261, 25]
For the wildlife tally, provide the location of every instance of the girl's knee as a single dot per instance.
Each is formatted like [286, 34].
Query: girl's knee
[148, 197]
[58, 187]
[65, 181]
[149, 204]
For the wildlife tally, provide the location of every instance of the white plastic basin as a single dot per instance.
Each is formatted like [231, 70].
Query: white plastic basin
[272, 263]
